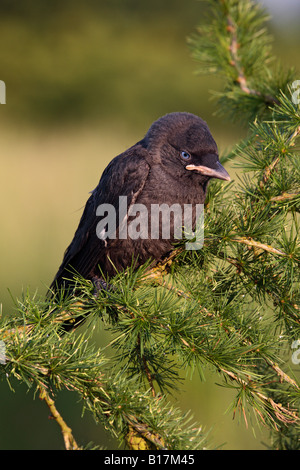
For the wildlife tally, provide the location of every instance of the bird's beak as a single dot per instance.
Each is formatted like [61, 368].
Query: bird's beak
[217, 172]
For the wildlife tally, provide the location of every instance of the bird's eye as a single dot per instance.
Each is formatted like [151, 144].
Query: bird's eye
[185, 155]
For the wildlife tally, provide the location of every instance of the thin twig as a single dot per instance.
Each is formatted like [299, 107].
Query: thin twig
[272, 166]
[70, 443]
[284, 197]
[293, 135]
[142, 433]
[282, 414]
[146, 369]
[259, 245]
[268, 171]
[282, 375]
[235, 62]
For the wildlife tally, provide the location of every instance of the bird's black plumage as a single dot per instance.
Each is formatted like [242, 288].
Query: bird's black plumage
[172, 164]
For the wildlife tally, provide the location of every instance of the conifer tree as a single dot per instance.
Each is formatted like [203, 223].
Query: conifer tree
[232, 306]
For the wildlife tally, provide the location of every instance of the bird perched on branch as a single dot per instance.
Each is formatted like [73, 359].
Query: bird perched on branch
[170, 166]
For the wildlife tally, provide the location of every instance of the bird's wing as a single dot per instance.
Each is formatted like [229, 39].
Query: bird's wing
[126, 175]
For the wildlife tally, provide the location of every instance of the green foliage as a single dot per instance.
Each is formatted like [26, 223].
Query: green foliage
[39, 354]
[232, 307]
[235, 45]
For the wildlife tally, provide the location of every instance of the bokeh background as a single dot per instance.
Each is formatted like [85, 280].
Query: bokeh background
[84, 80]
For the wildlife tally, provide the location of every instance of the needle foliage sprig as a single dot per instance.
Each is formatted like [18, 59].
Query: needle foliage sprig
[231, 308]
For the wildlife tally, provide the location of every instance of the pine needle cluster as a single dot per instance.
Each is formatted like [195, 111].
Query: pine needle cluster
[232, 307]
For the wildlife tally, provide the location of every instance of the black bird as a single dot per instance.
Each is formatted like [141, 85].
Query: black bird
[172, 164]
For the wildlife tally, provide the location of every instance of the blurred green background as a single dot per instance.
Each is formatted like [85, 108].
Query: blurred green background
[84, 80]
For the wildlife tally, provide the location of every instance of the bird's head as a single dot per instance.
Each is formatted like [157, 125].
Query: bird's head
[183, 144]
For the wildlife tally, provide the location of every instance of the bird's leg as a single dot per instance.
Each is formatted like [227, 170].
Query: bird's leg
[99, 284]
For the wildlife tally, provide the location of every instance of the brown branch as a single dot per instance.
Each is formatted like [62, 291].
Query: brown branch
[261, 246]
[268, 171]
[284, 197]
[282, 375]
[236, 63]
[139, 437]
[70, 443]
[283, 414]
[294, 135]
[61, 317]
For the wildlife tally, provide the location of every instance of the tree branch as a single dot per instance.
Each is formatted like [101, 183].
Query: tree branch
[284, 197]
[283, 414]
[70, 443]
[236, 63]
[272, 166]
[259, 245]
[140, 437]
